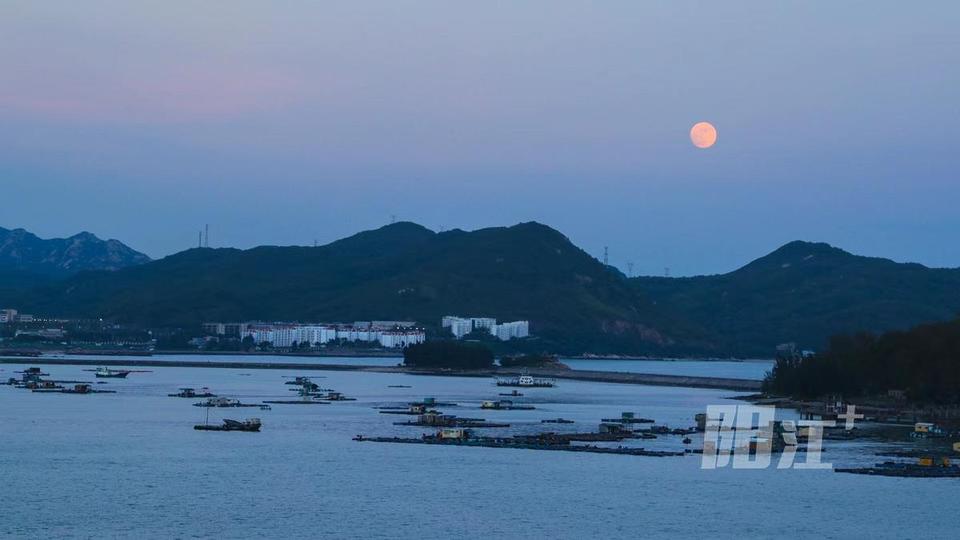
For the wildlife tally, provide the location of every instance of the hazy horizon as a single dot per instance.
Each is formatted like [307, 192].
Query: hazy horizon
[285, 125]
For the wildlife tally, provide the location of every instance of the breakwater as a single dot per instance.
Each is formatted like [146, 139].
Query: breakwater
[742, 385]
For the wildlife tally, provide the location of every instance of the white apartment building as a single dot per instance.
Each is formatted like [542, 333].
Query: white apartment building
[401, 338]
[461, 326]
[286, 334]
[511, 330]
[483, 322]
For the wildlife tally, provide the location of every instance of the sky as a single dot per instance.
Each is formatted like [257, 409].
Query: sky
[292, 122]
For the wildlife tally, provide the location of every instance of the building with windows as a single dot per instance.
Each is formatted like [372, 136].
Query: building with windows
[461, 326]
[317, 334]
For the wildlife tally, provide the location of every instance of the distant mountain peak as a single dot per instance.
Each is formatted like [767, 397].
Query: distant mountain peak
[83, 235]
[23, 251]
[799, 253]
[798, 246]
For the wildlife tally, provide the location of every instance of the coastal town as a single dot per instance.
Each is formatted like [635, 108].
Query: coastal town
[19, 331]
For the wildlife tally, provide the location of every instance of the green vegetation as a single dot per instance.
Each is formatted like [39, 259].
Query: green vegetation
[402, 272]
[924, 362]
[805, 293]
[448, 354]
[531, 361]
[802, 292]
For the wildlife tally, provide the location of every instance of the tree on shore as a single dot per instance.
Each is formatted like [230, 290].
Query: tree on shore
[448, 354]
[924, 362]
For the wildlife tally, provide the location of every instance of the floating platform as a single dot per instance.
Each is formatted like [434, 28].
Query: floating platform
[193, 394]
[248, 425]
[505, 405]
[456, 422]
[526, 381]
[221, 402]
[407, 412]
[296, 402]
[905, 470]
[83, 388]
[628, 420]
[490, 442]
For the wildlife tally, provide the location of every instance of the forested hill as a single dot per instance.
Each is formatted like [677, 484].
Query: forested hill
[401, 271]
[806, 292]
[802, 292]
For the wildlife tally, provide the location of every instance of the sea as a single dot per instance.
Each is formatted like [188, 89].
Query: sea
[130, 464]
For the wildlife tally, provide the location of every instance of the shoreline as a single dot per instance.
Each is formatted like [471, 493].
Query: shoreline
[618, 377]
[370, 353]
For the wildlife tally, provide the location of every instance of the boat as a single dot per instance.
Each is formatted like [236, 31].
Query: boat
[107, 373]
[224, 402]
[514, 393]
[191, 393]
[505, 405]
[556, 421]
[250, 424]
[526, 381]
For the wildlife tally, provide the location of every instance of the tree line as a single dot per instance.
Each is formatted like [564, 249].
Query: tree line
[923, 362]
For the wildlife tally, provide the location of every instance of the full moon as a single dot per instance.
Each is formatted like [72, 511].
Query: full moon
[703, 135]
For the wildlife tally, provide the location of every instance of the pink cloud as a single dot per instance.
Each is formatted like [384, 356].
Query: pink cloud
[182, 94]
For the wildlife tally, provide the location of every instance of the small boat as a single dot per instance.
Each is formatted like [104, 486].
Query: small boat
[250, 424]
[515, 393]
[556, 421]
[107, 373]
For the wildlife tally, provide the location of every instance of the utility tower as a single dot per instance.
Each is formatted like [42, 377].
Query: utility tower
[606, 256]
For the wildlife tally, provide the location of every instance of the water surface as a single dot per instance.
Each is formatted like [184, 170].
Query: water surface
[130, 464]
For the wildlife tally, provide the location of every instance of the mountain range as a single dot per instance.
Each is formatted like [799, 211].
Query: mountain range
[26, 259]
[802, 292]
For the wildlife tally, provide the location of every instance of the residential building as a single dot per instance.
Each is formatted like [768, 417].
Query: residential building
[511, 330]
[401, 338]
[387, 333]
[461, 326]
